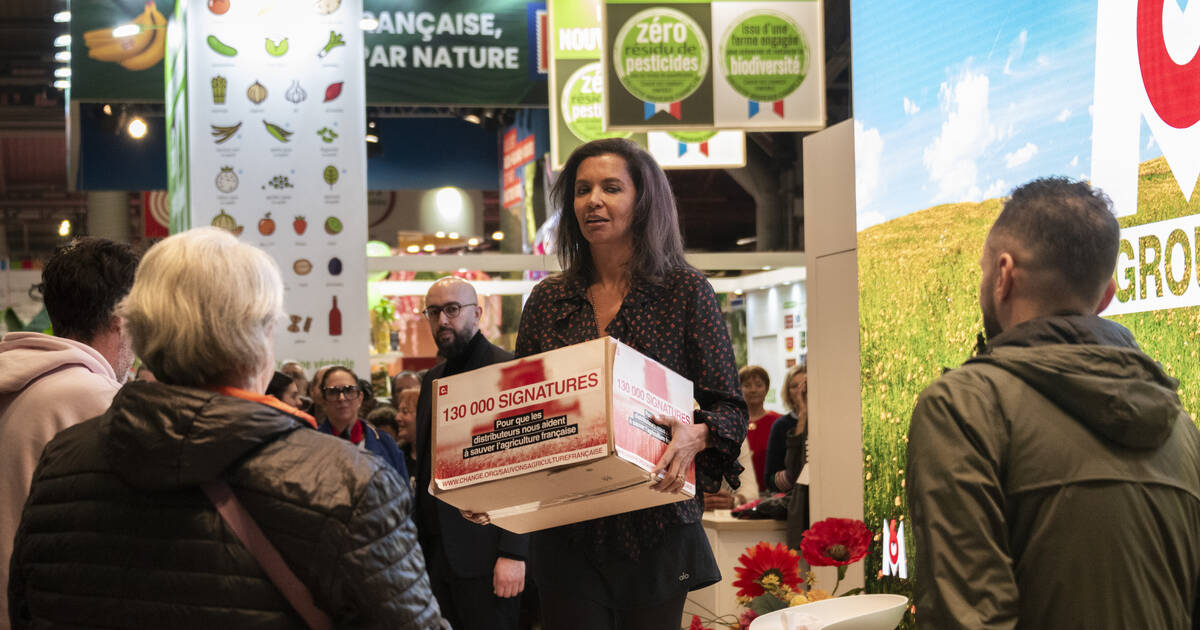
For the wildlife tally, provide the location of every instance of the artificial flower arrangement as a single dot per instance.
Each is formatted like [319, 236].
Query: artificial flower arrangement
[769, 577]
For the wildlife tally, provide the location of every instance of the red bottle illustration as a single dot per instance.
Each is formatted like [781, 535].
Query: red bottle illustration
[335, 319]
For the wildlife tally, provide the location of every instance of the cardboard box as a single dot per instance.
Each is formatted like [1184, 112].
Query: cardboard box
[556, 438]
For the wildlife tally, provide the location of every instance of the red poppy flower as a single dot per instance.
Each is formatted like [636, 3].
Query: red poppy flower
[761, 560]
[835, 542]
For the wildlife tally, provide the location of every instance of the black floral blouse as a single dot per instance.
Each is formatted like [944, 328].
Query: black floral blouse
[677, 323]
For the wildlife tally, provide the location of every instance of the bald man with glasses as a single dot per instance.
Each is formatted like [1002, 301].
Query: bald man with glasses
[477, 571]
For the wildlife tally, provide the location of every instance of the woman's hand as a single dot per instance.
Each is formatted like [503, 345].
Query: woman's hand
[687, 439]
[723, 500]
[479, 518]
[784, 480]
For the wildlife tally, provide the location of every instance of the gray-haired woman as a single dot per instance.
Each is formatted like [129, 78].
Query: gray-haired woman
[117, 532]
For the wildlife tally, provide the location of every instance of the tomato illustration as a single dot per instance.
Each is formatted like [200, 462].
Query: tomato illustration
[266, 225]
[300, 225]
[218, 7]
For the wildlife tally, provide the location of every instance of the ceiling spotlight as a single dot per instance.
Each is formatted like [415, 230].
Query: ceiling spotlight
[471, 118]
[63, 56]
[62, 41]
[62, 73]
[412, 249]
[107, 110]
[137, 128]
[497, 235]
[449, 202]
[126, 30]
[62, 84]
[472, 241]
[64, 228]
[452, 235]
[440, 234]
[372, 138]
[371, 125]
[429, 247]
[738, 292]
[62, 16]
[368, 24]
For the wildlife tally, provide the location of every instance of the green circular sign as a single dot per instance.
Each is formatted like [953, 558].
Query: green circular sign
[692, 137]
[583, 104]
[661, 55]
[766, 56]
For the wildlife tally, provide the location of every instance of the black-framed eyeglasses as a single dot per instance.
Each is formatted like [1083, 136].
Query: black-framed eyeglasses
[333, 393]
[451, 310]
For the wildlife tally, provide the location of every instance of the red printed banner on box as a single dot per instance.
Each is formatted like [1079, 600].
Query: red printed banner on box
[532, 414]
[641, 388]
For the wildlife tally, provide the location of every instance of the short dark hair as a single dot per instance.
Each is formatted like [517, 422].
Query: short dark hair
[82, 284]
[279, 383]
[1068, 228]
[384, 416]
[754, 371]
[657, 242]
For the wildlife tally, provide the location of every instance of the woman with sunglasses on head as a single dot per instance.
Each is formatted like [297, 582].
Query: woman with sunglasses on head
[342, 399]
[625, 276]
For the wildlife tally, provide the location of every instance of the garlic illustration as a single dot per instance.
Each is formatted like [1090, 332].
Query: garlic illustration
[295, 94]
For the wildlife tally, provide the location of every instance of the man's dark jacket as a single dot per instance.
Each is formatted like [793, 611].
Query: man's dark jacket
[471, 550]
[117, 533]
[1054, 482]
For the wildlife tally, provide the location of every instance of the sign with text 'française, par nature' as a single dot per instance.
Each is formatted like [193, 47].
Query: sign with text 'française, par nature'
[725, 65]
[464, 52]
[268, 124]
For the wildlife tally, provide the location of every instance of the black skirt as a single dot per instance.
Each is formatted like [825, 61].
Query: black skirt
[567, 566]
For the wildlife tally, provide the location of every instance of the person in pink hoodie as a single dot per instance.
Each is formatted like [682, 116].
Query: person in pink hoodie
[48, 383]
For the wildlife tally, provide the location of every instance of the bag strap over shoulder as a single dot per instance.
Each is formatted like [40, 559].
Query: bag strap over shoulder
[251, 535]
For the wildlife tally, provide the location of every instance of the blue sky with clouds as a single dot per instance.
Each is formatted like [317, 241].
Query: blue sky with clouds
[962, 101]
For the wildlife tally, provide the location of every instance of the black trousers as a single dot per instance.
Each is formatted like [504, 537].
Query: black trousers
[471, 603]
[566, 612]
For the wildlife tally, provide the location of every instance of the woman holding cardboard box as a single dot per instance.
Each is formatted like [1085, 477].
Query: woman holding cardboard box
[624, 275]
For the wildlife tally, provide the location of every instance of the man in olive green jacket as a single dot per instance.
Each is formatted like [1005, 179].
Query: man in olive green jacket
[1054, 479]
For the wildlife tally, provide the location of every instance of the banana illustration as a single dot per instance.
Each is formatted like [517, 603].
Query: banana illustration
[105, 47]
[135, 52]
[154, 52]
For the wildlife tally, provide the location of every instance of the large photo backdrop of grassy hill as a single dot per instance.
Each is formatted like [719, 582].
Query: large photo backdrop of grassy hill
[918, 281]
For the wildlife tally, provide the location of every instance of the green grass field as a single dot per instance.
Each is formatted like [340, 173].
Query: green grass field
[918, 281]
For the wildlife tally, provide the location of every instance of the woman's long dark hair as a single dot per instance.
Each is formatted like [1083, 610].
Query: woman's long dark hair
[657, 243]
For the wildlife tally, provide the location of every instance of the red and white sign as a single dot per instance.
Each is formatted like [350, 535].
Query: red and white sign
[1146, 68]
[156, 214]
[516, 155]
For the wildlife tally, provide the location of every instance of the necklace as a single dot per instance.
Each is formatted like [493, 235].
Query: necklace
[589, 294]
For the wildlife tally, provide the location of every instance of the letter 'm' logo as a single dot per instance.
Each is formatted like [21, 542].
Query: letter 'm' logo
[1147, 67]
[894, 560]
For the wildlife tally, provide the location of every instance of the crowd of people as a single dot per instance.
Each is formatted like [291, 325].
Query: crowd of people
[216, 491]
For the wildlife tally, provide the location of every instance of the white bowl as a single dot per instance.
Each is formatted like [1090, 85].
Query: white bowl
[856, 612]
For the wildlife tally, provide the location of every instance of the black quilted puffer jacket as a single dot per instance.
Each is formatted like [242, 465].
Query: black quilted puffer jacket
[117, 534]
